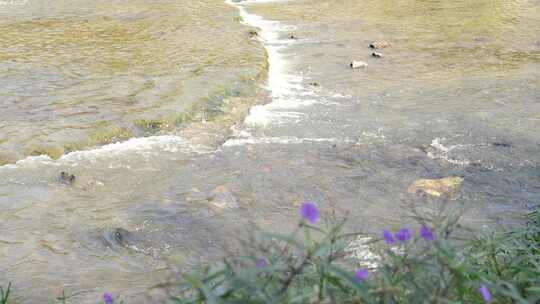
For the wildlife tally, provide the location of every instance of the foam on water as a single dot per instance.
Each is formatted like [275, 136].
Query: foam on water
[147, 146]
[282, 140]
[442, 152]
[286, 88]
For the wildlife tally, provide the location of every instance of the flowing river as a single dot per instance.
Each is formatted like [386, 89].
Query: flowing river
[187, 122]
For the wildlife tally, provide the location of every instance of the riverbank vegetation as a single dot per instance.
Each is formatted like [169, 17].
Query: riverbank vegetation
[436, 261]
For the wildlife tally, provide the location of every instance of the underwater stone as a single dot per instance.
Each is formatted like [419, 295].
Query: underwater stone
[435, 187]
[503, 144]
[118, 237]
[222, 198]
[66, 178]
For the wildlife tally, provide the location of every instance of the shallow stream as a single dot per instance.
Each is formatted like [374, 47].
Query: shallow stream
[186, 122]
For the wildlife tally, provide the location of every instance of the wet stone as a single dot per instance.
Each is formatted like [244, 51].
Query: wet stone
[436, 187]
[358, 64]
[66, 178]
[381, 44]
[223, 198]
[502, 144]
[377, 55]
[119, 237]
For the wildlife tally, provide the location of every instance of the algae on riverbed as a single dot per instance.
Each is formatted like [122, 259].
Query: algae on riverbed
[131, 65]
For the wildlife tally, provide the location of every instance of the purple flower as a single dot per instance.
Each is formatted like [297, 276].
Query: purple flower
[107, 298]
[388, 238]
[403, 235]
[361, 274]
[261, 263]
[309, 212]
[426, 234]
[484, 292]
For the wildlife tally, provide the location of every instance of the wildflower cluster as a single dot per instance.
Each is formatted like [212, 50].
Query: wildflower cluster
[426, 264]
[429, 265]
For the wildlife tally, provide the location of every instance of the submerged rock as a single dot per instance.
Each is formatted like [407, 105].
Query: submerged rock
[380, 44]
[66, 178]
[358, 64]
[436, 187]
[292, 36]
[222, 198]
[377, 55]
[502, 144]
[119, 237]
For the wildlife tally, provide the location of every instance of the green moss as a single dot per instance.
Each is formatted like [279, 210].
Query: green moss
[151, 125]
[198, 71]
[108, 136]
[53, 152]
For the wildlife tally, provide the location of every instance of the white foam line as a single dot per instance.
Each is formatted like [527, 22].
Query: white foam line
[280, 140]
[284, 86]
[137, 145]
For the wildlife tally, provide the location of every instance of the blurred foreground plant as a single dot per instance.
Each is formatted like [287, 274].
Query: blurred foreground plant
[436, 262]
[4, 294]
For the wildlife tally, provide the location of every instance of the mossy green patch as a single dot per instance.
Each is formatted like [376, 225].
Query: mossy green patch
[198, 71]
[53, 152]
[111, 135]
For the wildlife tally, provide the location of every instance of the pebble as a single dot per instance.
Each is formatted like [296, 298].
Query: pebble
[358, 64]
[381, 44]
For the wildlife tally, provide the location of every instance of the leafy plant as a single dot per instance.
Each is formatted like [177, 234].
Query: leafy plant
[4, 294]
[437, 262]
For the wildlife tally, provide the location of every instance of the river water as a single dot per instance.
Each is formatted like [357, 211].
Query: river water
[184, 127]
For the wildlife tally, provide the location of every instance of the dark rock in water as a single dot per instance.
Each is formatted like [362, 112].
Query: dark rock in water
[253, 33]
[314, 84]
[502, 144]
[119, 237]
[377, 55]
[66, 178]
[292, 36]
[379, 44]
